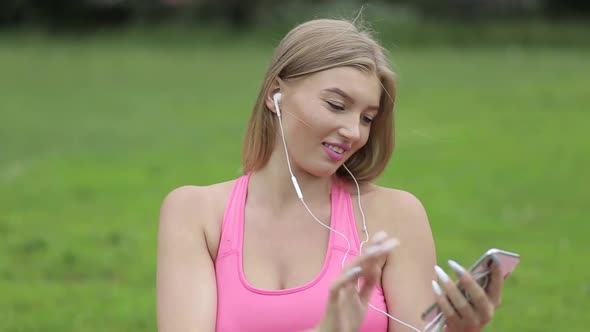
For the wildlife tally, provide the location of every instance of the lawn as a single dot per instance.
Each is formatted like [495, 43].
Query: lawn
[95, 131]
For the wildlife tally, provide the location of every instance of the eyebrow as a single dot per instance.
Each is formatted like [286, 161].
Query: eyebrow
[347, 97]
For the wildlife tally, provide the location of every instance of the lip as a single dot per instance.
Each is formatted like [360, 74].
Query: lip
[335, 156]
[344, 147]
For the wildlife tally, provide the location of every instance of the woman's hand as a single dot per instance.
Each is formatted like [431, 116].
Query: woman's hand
[347, 305]
[463, 315]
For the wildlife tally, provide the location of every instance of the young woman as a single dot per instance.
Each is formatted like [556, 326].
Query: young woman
[251, 255]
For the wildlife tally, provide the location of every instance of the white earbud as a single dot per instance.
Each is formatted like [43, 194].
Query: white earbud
[277, 99]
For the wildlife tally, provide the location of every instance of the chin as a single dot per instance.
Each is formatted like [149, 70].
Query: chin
[322, 170]
[317, 167]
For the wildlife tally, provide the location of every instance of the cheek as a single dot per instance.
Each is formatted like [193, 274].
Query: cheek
[363, 141]
[365, 133]
[316, 121]
[305, 113]
[315, 115]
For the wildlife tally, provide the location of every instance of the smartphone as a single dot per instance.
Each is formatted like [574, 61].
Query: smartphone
[480, 271]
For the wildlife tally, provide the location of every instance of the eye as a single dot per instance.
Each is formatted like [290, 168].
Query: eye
[335, 106]
[367, 119]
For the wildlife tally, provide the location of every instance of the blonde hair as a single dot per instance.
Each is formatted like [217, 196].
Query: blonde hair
[312, 47]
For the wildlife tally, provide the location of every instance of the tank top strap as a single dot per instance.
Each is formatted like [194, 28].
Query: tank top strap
[343, 217]
[232, 226]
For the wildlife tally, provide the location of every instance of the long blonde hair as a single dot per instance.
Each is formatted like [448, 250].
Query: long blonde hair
[312, 47]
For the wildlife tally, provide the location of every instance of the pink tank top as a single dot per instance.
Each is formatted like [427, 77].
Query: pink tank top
[243, 307]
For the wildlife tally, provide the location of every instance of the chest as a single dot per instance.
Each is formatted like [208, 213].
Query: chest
[283, 260]
[286, 251]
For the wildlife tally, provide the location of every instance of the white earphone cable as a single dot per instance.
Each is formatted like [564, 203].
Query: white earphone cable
[358, 193]
[276, 101]
[300, 195]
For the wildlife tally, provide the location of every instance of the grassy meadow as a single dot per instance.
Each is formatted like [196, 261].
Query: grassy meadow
[94, 132]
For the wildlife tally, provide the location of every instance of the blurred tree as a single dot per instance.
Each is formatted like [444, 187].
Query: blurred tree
[64, 13]
[237, 13]
[475, 9]
[568, 8]
[241, 13]
[11, 12]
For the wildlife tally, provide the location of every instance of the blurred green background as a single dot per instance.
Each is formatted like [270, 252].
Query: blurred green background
[106, 106]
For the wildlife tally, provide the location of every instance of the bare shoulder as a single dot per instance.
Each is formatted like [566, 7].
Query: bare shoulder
[192, 200]
[196, 200]
[198, 210]
[185, 277]
[393, 206]
[395, 211]
[402, 215]
[400, 198]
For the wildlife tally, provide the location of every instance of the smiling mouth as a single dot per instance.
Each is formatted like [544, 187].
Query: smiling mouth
[336, 149]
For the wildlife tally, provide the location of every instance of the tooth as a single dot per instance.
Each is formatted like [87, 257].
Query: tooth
[335, 148]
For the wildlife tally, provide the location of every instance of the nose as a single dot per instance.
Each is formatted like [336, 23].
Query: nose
[351, 129]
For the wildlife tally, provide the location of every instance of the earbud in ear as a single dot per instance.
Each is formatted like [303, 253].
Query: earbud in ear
[277, 98]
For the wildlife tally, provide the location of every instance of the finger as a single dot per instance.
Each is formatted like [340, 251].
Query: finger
[359, 264]
[496, 283]
[484, 309]
[444, 305]
[350, 275]
[381, 248]
[369, 284]
[348, 294]
[378, 238]
[372, 260]
[457, 299]
[374, 253]
[362, 265]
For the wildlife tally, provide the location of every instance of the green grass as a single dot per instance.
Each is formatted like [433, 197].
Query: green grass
[95, 132]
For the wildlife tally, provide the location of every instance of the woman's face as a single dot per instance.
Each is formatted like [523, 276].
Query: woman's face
[327, 117]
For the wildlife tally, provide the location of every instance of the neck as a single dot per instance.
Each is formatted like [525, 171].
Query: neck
[272, 184]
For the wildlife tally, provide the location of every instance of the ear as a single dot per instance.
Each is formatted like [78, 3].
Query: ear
[269, 98]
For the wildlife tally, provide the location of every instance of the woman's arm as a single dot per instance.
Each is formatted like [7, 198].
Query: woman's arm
[186, 288]
[409, 269]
